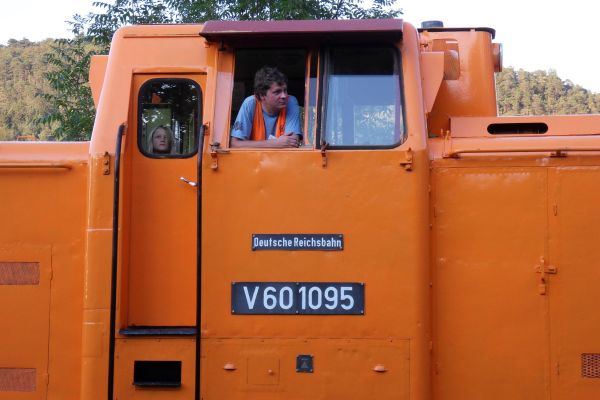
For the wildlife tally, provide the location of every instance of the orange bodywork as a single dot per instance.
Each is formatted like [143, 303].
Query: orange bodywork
[474, 239]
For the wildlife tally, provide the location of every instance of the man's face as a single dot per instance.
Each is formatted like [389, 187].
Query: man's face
[275, 99]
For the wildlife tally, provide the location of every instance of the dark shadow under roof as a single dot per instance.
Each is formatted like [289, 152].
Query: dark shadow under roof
[290, 32]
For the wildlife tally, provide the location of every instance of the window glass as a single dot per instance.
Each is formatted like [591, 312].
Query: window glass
[169, 118]
[363, 98]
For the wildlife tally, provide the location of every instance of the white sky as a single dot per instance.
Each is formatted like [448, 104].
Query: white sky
[536, 34]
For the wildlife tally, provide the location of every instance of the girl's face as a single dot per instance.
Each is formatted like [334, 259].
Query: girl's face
[160, 141]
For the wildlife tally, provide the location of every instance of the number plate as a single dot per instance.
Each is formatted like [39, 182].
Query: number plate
[327, 298]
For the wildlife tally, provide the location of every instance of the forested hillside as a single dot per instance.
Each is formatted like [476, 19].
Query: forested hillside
[22, 81]
[22, 68]
[542, 93]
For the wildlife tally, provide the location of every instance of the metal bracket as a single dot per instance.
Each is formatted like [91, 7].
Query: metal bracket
[406, 159]
[447, 140]
[324, 154]
[543, 269]
[214, 151]
[106, 163]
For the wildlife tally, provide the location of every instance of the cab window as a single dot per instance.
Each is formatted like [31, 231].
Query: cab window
[168, 120]
[362, 98]
[349, 96]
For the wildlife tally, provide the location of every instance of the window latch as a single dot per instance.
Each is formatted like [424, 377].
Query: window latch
[324, 154]
[406, 159]
[544, 270]
[214, 151]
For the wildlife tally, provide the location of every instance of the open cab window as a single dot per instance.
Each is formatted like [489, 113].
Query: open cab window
[290, 61]
[169, 112]
[349, 96]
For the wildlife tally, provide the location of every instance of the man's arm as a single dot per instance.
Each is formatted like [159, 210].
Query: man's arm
[283, 141]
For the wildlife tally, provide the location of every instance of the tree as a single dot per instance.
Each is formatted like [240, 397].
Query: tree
[542, 92]
[71, 98]
[22, 66]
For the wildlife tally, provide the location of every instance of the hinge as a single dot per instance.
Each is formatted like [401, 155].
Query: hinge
[214, 151]
[106, 163]
[406, 159]
[543, 269]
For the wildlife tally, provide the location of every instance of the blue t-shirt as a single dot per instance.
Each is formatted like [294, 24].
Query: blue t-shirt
[242, 126]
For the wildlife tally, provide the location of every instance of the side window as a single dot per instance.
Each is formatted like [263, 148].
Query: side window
[362, 98]
[168, 120]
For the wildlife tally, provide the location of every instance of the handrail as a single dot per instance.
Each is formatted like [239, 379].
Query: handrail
[199, 261]
[557, 152]
[41, 165]
[114, 262]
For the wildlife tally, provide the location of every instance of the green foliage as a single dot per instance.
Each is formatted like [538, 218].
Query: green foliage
[21, 83]
[542, 93]
[190, 11]
[70, 95]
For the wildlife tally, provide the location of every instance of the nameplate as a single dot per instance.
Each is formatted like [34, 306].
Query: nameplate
[298, 241]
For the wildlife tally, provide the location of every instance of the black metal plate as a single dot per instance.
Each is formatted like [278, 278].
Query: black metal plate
[304, 363]
[310, 298]
[298, 241]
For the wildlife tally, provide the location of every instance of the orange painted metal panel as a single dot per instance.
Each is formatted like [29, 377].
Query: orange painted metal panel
[573, 289]
[558, 125]
[490, 323]
[150, 349]
[25, 316]
[43, 220]
[381, 224]
[474, 92]
[160, 217]
[343, 369]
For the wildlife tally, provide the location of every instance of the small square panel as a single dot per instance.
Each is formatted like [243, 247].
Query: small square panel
[304, 363]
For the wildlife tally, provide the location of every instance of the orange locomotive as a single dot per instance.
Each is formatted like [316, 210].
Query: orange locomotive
[416, 246]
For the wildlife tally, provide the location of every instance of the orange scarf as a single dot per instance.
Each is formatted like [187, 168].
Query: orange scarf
[258, 123]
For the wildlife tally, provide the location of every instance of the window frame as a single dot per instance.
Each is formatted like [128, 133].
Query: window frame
[197, 119]
[325, 70]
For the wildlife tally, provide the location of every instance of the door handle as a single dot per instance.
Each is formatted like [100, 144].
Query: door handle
[192, 184]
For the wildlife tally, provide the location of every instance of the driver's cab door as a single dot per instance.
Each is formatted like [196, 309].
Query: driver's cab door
[156, 311]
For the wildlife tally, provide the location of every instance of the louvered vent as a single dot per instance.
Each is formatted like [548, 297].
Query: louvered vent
[590, 365]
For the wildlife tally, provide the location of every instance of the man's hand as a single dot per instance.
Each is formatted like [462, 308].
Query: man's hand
[287, 140]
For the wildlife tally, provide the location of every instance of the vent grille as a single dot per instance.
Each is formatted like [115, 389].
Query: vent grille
[590, 365]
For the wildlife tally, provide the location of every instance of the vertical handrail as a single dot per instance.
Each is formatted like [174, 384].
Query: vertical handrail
[115, 251]
[199, 259]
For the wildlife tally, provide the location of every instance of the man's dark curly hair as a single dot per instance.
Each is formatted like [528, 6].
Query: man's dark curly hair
[265, 77]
